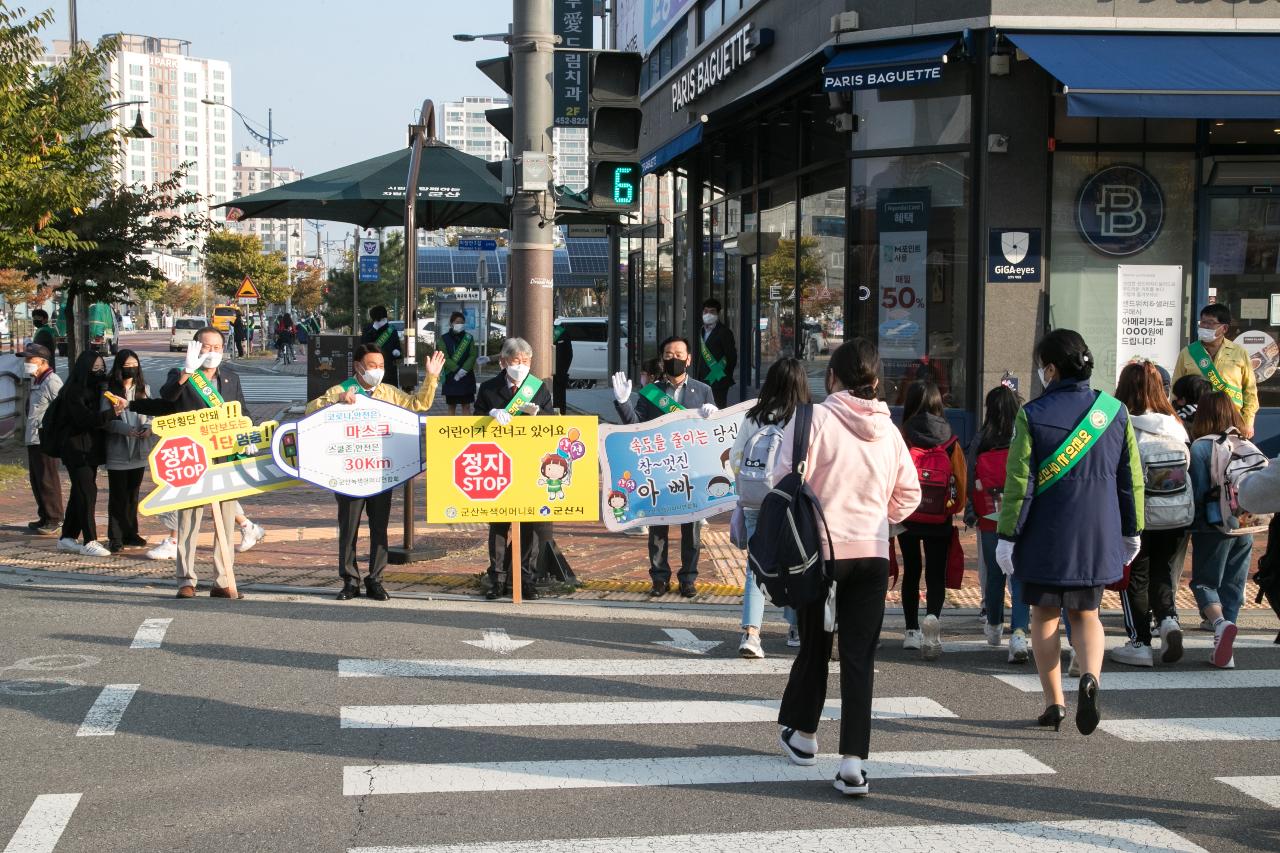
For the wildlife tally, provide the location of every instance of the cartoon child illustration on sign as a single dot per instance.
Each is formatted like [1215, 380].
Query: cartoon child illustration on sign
[557, 468]
[617, 501]
[719, 487]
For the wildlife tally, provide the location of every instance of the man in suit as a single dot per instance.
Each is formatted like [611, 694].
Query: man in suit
[203, 383]
[380, 332]
[513, 393]
[674, 392]
[717, 354]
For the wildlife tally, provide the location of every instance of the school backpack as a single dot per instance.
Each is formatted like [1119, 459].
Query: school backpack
[1232, 459]
[937, 484]
[786, 552]
[1168, 501]
[53, 433]
[988, 481]
[755, 472]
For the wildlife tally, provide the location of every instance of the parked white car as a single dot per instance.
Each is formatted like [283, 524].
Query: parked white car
[184, 332]
[590, 339]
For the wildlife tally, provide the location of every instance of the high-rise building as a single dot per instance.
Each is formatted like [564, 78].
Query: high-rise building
[467, 129]
[254, 173]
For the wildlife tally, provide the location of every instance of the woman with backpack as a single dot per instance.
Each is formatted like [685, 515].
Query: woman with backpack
[940, 465]
[128, 445]
[860, 471]
[786, 386]
[1219, 560]
[1071, 515]
[1168, 511]
[990, 454]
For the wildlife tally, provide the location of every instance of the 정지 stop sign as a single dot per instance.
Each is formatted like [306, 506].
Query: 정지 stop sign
[181, 461]
[482, 471]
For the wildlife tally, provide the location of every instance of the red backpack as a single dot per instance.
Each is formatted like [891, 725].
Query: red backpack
[937, 484]
[988, 486]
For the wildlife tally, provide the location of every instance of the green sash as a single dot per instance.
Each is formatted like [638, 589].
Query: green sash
[1081, 440]
[661, 400]
[384, 336]
[524, 394]
[353, 384]
[459, 356]
[715, 368]
[1210, 371]
[557, 332]
[206, 389]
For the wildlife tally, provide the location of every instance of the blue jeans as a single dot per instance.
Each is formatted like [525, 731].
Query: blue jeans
[1219, 568]
[993, 591]
[752, 595]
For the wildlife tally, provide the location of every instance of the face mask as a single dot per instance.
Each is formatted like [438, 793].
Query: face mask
[212, 360]
[1207, 336]
[98, 373]
[517, 372]
[1044, 383]
[457, 328]
[131, 372]
[30, 368]
[674, 367]
[378, 324]
[710, 319]
[373, 376]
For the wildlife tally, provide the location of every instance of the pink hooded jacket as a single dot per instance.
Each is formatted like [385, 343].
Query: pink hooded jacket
[860, 469]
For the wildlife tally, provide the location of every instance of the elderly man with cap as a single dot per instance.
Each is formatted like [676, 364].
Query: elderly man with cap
[43, 470]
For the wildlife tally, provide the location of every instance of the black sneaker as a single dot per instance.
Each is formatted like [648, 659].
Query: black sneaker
[855, 788]
[804, 759]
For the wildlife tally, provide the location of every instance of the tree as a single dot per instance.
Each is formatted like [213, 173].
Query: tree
[388, 290]
[183, 298]
[308, 289]
[17, 286]
[229, 257]
[53, 164]
[107, 261]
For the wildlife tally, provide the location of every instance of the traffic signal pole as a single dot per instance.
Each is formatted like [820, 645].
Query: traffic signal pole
[529, 287]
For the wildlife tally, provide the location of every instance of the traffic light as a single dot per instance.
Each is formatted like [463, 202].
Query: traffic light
[614, 102]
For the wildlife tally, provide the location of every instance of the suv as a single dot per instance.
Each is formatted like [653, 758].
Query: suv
[184, 332]
[590, 339]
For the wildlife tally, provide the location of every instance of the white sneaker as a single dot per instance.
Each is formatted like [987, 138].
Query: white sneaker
[166, 550]
[68, 546]
[94, 549]
[1133, 653]
[1170, 640]
[993, 633]
[250, 534]
[750, 646]
[1224, 638]
[793, 637]
[932, 630]
[913, 639]
[1019, 651]
[1073, 668]
[1206, 625]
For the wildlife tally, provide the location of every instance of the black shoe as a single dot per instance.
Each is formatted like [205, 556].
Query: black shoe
[855, 787]
[804, 759]
[135, 542]
[688, 590]
[350, 590]
[33, 526]
[1052, 716]
[493, 594]
[48, 529]
[375, 590]
[658, 589]
[529, 593]
[1087, 712]
[115, 547]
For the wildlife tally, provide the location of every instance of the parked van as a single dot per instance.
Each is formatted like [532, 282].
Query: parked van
[184, 332]
[590, 339]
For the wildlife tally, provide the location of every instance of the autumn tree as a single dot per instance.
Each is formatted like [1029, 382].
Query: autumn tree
[308, 289]
[229, 257]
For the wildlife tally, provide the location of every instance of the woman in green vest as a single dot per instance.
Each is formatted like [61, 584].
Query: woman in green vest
[460, 353]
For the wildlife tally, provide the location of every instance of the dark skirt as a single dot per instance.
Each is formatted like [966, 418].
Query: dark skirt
[1070, 597]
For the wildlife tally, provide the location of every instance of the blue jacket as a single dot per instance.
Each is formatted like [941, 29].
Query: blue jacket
[1072, 533]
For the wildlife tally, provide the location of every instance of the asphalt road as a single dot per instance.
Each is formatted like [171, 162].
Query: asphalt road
[286, 723]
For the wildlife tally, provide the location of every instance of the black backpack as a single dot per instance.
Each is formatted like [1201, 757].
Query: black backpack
[785, 552]
[53, 433]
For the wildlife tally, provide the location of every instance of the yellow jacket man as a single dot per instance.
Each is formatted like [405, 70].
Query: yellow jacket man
[1225, 364]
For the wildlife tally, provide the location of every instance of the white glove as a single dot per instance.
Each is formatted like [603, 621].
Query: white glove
[194, 359]
[457, 377]
[707, 409]
[621, 387]
[530, 408]
[250, 450]
[1132, 545]
[483, 359]
[502, 416]
[1004, 556]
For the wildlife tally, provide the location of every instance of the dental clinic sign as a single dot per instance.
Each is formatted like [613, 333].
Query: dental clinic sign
[716, 66]
[1120, 210]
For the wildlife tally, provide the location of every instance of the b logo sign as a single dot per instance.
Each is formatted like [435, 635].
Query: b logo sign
[1120, 210]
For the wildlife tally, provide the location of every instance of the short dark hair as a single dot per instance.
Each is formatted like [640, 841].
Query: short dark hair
[1190, 388]
[365, 349]
[1217, 311]
[378, 312]
[207, 330]
[923, 396]
[711, 303]
[40, 314]
[856, 363]
[457, 315]
[785, 386]
[1067, 351]
[675, 339]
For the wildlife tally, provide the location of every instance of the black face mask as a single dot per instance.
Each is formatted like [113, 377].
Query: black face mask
[131, 372]
[674, 367]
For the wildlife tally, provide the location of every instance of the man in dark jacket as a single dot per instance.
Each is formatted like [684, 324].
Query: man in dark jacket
[203, 383]
[563, 342]
[717, 354]
[43, 335]
[512, 393]
[381, 332]
[673, 393]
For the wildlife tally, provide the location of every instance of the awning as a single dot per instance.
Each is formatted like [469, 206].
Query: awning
[1161, 75]
[671, 149]
[880, 65]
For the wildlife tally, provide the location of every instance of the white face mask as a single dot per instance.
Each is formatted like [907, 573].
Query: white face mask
[710, 319]
[517, 372]
[1044, 383]
[212, 360]
[372, 376]
[30, 368]
[457, 328]
[1207, 336]
[378, 324]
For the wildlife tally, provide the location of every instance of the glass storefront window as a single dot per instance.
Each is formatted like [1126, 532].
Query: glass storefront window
[908, 246]
[821, 249]
[1083, 284]
[776, 291]
[914, 116]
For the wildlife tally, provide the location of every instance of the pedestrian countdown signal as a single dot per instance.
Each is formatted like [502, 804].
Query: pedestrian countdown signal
[614, 185]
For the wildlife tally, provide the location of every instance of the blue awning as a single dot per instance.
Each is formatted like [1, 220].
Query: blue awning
[1161, 75]
[671, 149]
[878, 65]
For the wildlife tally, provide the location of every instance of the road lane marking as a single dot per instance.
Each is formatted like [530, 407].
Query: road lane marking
[1264, 788]
[1066, 836]
[562, 668]
[662, 772]
[150, 634]
[107, 710]
[497, 641]
[1193, 729]
[1166, 680]
[690, 712]
[43, 824]
[684, 640]
[1189, 641]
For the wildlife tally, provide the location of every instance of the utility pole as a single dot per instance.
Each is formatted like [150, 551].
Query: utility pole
[533, 213]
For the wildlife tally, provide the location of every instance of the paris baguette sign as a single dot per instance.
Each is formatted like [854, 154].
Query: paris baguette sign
[719, 64]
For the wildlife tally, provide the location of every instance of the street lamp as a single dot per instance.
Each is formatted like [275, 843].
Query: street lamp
[139, 130]
[270, 140]
[502, 37]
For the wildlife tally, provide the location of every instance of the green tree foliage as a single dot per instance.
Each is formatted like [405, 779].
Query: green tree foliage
[55, 141]
[229, 257]
[388, 290]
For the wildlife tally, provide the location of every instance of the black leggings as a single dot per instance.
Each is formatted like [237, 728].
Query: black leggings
[935, 573]
[82, 504]
[122, 504]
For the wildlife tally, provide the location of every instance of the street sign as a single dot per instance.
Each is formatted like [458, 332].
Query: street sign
[248, 291]
[482, 471]
[588, 231]
[775, 292]
[180, 461]
[370, 247]
[478, 245]
[369, 268]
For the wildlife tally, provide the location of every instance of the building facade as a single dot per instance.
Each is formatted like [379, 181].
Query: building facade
[254, 173]
[954, 179]
[466, 128]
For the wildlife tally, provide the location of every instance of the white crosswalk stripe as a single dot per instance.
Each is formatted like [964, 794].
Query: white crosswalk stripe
[1264, 788]
[273, 389]
[1167, 680]
[43, 824]
[562, 668]
[1205, 728]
